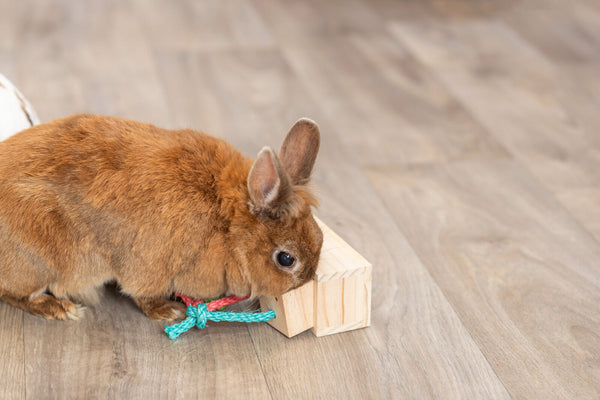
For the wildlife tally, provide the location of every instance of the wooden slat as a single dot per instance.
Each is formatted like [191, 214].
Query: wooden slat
[8, 22]
[573, 38]
[338, 259]
[383, 114]
[209, 25]
[12, 354]
[294, 310]
[85, 66]
[519, 271]
[542, 114]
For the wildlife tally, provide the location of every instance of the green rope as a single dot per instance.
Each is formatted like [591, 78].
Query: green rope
[198, 315]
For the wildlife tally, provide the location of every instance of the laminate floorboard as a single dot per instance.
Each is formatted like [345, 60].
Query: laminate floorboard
[519, 96]
[67, 49]
[520, 272]
[12, 353]
[203, 25]
[566, 35]
[383, 115]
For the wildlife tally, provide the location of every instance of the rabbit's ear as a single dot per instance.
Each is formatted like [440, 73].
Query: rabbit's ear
[299, 150]
[267, 183]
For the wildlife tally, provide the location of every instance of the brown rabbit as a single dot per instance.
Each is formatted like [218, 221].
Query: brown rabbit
[90, 199]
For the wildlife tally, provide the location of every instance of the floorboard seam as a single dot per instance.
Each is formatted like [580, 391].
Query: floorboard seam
[262, 370]
[434, 282]
[24, 354]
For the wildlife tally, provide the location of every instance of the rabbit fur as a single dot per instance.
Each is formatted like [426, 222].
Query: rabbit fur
[89, 199]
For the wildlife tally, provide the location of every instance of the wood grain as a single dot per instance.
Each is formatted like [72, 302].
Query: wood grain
[523, 100]
[116, 352]
[12, 353]
[518, 270]
[86, 65]
[8, 10]
[343, 284]
[210, 25]
[384, 114]
[294, 310]
[574, 37]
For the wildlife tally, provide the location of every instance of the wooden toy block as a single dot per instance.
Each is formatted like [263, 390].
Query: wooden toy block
[294, 310]
[338, 299]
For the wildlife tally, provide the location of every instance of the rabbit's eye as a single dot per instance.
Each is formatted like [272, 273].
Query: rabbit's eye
[284, 259]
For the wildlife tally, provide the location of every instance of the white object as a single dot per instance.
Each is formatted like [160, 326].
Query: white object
[16, 113]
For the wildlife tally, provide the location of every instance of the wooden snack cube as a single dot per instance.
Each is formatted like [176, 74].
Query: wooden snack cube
[294, 310]
[338, 299]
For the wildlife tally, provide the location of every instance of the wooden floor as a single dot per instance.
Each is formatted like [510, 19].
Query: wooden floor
[460, 155]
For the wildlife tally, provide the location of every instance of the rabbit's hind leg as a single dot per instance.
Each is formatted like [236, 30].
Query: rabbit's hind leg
[45, 305]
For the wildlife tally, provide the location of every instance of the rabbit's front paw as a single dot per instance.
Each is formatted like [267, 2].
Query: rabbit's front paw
[161, 309]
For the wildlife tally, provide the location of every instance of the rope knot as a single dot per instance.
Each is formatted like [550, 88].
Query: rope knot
[200, 313]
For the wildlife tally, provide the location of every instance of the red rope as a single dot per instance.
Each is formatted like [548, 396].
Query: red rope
[213, 305]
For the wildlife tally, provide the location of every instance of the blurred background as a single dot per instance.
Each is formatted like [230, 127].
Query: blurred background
[460, 155]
